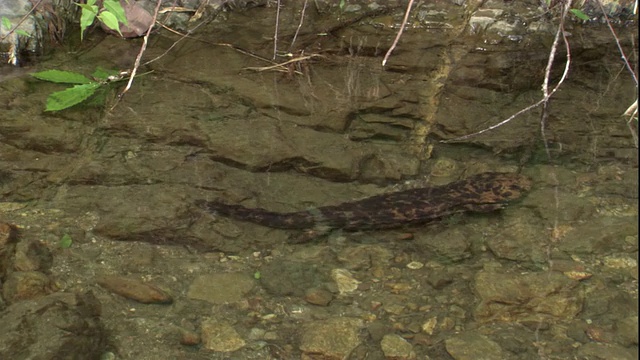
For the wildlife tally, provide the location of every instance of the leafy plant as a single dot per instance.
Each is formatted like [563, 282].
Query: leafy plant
[111, 15]
[576, 12]
[65, 241]
[579, 14]
[6, 24]
[82, 89]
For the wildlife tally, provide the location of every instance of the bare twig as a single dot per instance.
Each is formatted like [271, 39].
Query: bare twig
[282, 65]
[136, 65]
[632, 114]
[295, 36]
[275, 31]
[546, 94]
[615, 37]
[547, 73]
[632, 111]
[555, 231]
[183, 37]
[395, 41]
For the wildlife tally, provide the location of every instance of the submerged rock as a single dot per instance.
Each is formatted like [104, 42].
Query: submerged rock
[59, 326]
[334, 338]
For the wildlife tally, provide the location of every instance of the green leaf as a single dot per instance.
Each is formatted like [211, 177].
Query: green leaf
[23, 33]
[114, 7]
[6, 23]
[580, 15]
[110, 21]
[103, 74]
[89, 13]
[89, 8]
[65, 241]
[59, 76]
[257, 275]
[61, 100]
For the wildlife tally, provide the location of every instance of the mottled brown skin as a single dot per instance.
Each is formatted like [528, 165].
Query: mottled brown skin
[479, 193]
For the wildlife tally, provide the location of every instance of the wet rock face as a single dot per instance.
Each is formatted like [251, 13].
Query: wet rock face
[527, 298]
[32, 30]
[38, 322]
[218, 131]
[61, 326]
[8, 237]
[37, 26]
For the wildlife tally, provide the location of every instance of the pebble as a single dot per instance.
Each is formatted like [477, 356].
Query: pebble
[221, 288]
[344, 280]
[134, 289]
[318, 296]
[7, 235]
[473, 346]
[334, 338]
[220, 336]
[541, 295]
[395, 347]
[7, 239]
[23, 285]
[189, 337]
[32, 256]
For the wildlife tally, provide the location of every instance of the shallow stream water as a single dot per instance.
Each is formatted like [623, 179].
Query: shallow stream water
[551, 276]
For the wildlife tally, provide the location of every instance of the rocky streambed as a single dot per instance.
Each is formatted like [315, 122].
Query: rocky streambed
[102, 250]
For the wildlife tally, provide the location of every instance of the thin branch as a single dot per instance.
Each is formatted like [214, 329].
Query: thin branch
[632, 111]
[182, 37]
[282, 65]
[295, 36]
[547, 73]
[632, 114]
[395, 41]
[136, 65]
[615, 37]
[275, 32]
[547, 94]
